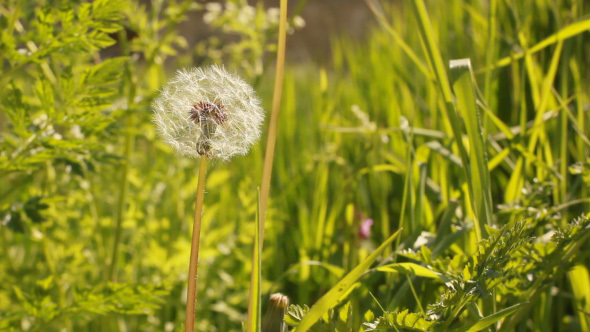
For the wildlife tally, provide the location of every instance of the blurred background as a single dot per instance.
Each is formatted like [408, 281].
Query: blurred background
[343, 17]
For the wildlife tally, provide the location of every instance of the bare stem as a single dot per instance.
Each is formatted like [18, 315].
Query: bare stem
[274, 120]
[270, 147]
[194, 260]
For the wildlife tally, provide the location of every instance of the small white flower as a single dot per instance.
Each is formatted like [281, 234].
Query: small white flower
[273, 15]
[213, 7]
[298, 22]
[208, 112]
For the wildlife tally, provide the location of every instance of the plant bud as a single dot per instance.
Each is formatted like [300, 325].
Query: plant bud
[274, 319]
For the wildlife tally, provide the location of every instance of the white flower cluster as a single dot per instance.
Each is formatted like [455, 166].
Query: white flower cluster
[208, 112]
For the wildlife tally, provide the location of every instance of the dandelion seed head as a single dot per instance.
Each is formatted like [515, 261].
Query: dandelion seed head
[208, 111]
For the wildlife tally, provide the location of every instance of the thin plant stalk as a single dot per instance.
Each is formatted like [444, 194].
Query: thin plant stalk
[191, 295]
[112, 272]
[128, 147]
[269, 153]
[274, 119]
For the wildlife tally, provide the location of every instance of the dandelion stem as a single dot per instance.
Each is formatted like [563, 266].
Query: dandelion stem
[194, 260]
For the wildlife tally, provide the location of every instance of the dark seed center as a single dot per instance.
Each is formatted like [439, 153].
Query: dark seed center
[208, 116]
[208, 111]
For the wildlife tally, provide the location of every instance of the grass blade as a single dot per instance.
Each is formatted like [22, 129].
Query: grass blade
[569, 31]
[411, 269]
[378, 12]
[463, 86]
[580, 282]
[428, 36]
[254, 307]
[341, 288]
[491, 319]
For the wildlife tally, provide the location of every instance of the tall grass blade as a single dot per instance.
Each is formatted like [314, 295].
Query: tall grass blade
[411, 269]
[491, 319]
[569, 31]
[341, 288]
[428, 36]
[378, 12]
[580, 282]
[254, 302]
[464, 88]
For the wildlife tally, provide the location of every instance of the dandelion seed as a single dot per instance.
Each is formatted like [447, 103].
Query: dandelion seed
[208, 112]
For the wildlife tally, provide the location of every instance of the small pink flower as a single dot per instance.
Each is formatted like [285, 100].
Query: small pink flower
[365, 228]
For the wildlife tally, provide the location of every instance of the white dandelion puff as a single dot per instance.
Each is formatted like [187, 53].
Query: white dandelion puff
[208, 112]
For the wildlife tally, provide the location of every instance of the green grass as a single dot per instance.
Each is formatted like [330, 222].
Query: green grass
[95, 221]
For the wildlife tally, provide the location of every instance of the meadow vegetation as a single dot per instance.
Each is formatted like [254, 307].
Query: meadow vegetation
[409, 192]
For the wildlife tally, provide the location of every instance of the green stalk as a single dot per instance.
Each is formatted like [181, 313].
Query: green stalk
[416, 298]
[254, 303]
[191, 295]
[121, 202]
[128, 146]
[490, 55]
[561, 186]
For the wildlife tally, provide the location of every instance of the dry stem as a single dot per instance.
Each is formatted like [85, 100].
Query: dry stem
[270, 147]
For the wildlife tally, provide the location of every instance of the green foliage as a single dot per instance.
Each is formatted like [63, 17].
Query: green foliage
[510, 265]
[129, 299]
[76, 151]
[95, 210]
[343, 287]
[494, 262]
[334, 320]
[402, 321]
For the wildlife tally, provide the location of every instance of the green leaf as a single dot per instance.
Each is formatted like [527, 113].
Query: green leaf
[491, 319]
[411, 269]
[400, 320]
[15, 107]
[105, 73]
[131, 299]
[34, 207]
[99, 40]
[100, 83]
[464, 88]
[580, 282]
[334, 294]
[108, 10]
[295, 314]
[13, 220]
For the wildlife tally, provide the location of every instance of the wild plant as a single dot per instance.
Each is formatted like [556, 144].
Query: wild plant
[206, 113]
